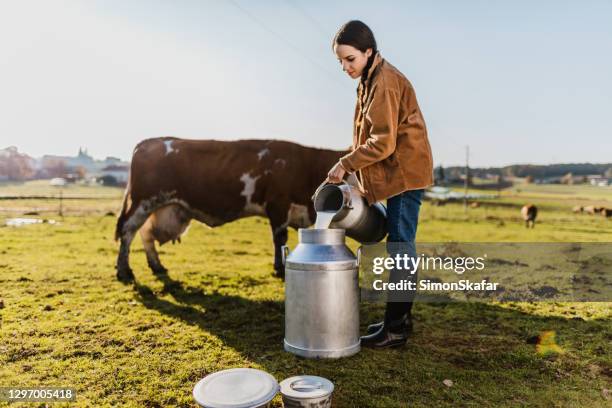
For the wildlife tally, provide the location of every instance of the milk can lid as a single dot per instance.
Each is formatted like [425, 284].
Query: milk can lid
[235, 388]
[306, 386]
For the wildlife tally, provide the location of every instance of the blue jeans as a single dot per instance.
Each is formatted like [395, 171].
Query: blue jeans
[402, 221]
[403, 216]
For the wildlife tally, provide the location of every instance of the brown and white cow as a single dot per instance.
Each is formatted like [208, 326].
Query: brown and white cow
[592, 210]
[589, 209]
[175, 180]
[529, 213]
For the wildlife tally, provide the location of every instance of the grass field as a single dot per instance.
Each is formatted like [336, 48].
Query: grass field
[66, 321]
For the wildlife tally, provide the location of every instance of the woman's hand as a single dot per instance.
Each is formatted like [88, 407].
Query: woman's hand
[336, 174]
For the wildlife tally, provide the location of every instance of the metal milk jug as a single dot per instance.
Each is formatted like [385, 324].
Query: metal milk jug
[362, 222]
[321, 296]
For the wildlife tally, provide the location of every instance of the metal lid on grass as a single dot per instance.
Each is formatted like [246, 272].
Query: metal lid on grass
[235, 388]
[306, 386]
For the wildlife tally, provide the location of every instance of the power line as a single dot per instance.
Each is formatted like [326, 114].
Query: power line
[309, 17]
[283, 40]
[290, 45]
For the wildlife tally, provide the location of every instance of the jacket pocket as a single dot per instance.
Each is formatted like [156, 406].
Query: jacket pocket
[391, 160]
[374, 175]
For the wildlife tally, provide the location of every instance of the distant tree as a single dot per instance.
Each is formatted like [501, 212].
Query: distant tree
[608, 173]
[54, 168]
[439, 175]
[14, 165]
[108, 180]
[80, 172]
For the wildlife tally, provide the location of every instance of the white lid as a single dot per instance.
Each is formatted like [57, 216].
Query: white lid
[235, 388]
[306, 386]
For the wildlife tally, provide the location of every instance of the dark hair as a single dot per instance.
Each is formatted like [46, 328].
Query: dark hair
[357, 34]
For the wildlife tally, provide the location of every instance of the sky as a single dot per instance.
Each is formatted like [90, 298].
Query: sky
[516, 81]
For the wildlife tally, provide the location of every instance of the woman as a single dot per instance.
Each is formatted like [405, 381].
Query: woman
[390, 156]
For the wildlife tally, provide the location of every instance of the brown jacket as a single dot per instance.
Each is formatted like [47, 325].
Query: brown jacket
[390, 152]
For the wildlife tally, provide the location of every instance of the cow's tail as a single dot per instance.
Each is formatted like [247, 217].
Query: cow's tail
[124, 210]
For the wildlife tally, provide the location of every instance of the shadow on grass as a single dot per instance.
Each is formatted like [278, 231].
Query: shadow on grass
[251, 327]
[255, 327]
[480, 345]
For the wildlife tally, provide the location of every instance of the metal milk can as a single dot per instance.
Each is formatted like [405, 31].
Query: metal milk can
[321, 296]
[362, 222]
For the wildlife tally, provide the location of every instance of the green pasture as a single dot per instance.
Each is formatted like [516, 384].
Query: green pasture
[66, 320]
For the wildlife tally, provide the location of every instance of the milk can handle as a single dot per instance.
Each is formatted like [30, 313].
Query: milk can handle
[284, 253]
[318, 189]
[323, 184]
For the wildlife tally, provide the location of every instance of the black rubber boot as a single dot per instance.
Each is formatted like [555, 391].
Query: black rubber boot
[373, 328]
[394, 334]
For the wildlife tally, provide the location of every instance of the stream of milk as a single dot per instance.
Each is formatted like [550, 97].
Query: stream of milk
[324, 218]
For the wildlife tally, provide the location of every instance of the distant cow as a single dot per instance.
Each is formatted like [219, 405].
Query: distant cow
[606, 212]
[578, 209]
[529, 213]
[592, 210]
[175, 180]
